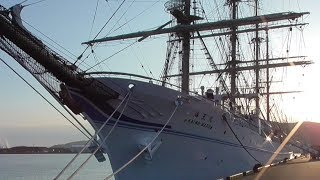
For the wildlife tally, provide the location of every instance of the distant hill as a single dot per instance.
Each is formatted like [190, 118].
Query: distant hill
[309, 132]
[73, 146]
[33, 150]
[70, 144]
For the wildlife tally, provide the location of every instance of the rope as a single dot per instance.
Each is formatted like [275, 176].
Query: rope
[94, 17]
[100, 31]
[109, 19]
[46, 99]
[56, 43]
[32, 3]
[142, 12]
[111, 56]
[155, 137]
[92, 138]
[68, 111]
[235, 135]
[88, 135]
[103, 141]
[115, 31]
[125, 11]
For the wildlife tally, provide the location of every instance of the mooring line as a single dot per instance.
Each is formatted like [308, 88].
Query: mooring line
[33, 88]
[178, 102]
[235, 135]
[103, 141]
[92, 138]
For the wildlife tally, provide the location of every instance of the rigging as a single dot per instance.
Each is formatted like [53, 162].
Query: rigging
[53, 106]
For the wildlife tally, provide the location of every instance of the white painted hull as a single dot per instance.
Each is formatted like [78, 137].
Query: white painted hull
[179, 157]
[196, 144]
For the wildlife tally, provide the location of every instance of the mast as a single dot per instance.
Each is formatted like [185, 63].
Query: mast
[186, 50]
[233, 62]
[257, 68]
[222, 24]
[268, 85]
[257, 48]
[180, 9]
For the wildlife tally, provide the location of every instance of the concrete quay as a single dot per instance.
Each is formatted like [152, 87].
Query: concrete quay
[301, 168]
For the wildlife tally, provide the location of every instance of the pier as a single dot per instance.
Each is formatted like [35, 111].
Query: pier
[296, 169]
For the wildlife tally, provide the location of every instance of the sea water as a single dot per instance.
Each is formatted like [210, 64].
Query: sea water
[47, 166]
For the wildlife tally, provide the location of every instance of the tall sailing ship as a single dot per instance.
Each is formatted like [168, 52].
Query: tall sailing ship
[169, 128]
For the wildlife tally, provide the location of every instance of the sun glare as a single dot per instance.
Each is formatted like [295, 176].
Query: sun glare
[304, 106]
[268, 138]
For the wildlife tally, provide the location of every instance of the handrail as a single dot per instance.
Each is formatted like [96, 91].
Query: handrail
[150, 78]
[134, 75]
[118, 73]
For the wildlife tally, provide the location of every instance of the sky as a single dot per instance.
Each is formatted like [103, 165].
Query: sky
[26, 119]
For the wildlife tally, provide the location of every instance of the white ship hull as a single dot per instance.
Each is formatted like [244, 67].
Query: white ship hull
[196, 144]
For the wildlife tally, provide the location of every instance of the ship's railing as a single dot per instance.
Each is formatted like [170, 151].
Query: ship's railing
[136, 76]
[237, 117]
[249, 121]
[159, 82]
